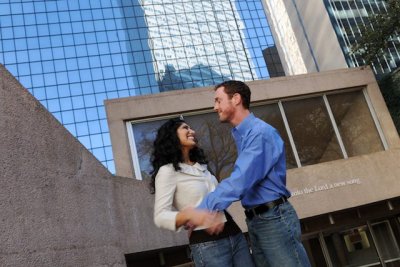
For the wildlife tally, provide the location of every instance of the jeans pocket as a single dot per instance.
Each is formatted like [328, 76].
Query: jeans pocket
[211, 253]
[271, 214]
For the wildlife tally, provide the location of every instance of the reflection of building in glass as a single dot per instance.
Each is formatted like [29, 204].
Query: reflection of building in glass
[273, 62]
[347, 17]
[138, 52]
[184, 41]
[72, 55]
[196, 76]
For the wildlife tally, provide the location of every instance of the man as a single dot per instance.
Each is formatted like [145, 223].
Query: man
[259, 181]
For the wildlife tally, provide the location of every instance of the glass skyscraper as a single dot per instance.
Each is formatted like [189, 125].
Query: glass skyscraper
[72, 55]
[348, 17]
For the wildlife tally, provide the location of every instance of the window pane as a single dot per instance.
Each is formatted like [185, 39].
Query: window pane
[272, 115]
[386, 243]
[214, 137]
[355, 123]
[312, 131]
[216, 140]
[354, 247]
[314, 252]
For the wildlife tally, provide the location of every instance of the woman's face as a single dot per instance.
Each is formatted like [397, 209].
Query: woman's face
[186, 136]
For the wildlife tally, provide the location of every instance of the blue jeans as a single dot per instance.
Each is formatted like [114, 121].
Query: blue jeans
[275, 237]
[229, 251]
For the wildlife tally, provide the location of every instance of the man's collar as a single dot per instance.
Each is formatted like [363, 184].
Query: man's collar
[245, 124]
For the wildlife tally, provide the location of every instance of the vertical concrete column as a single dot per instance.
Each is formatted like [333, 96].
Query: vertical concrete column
[285, 38]
[304, 35]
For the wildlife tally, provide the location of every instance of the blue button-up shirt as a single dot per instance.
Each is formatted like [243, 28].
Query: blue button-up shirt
[259, 174]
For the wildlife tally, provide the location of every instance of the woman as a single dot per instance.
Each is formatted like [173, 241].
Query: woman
[180, 179]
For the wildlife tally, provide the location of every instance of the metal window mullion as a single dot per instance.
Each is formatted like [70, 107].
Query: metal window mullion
[380, 256]
[375, 119]
[390, 229]
[354, 17]
[352, 30]
[222, 40]
[325, 250]
[395, 47]
[343, 31]
[395, 51]
[342, 28]
[384, 6]
[132, 145]
[378, 6]
[384, 57]
[289, 133]
[335, 14]
[359, 12]
[373, 67]
[242, 41]
[335, 128]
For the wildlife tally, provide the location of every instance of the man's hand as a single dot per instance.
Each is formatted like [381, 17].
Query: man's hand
[213, 221]
[215, 229]
[218, 226]
[191, 217]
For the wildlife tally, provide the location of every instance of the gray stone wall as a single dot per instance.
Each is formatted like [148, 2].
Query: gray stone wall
[58, 205]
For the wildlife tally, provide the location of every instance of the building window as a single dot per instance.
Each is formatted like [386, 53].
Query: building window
[355, 123]
[347, 18]
[214, 137]
[312, 131]
[386, 243]
[315, 129]
[272, 114]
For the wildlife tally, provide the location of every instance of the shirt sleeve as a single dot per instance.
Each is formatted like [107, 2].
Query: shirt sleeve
[257, 157]
[165, 184]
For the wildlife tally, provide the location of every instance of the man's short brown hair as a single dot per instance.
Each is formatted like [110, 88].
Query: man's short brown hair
[236, 87]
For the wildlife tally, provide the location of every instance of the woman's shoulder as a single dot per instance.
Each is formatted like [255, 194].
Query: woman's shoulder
[166, 172]
[167, 168]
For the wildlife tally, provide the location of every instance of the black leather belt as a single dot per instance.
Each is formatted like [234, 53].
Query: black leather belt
[250, 213]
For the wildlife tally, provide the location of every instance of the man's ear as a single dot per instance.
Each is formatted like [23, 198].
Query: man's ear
[237, 99]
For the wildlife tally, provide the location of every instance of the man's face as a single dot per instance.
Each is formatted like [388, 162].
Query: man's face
[223, 105]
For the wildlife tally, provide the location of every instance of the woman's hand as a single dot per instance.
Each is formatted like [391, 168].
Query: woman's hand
[193, 218]
[216, 229]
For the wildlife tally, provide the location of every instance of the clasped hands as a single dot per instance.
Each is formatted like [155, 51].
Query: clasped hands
[212, 221]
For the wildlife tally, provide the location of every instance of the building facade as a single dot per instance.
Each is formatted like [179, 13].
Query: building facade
[348, 17]
[319, 35]
[342, 152]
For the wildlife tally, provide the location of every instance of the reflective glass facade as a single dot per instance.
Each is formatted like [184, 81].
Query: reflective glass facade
[72, 55]
[348, 17]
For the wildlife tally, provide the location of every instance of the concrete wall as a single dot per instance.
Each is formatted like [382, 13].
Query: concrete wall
[58, 205]
[304, 35]
[317, 188]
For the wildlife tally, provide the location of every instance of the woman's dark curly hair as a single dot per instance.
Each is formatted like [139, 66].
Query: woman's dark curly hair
[167, 149]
